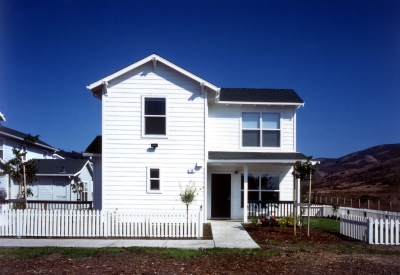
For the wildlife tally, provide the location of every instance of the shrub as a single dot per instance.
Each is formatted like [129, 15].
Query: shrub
[254, 220]
[286, 221]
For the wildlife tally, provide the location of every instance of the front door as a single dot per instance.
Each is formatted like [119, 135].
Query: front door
[221, 196]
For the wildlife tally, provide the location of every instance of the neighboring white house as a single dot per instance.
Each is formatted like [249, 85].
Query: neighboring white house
[10, 138]
[54, 175]
[163, 127]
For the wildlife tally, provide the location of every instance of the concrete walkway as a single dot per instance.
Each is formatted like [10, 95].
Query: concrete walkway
[227, 234]
[231, 234]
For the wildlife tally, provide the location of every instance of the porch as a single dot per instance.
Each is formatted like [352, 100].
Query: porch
[241, 185]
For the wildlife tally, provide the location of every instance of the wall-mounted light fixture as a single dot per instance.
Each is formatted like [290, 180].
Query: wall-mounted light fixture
[154, 145]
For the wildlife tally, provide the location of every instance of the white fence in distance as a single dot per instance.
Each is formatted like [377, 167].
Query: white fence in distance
[316, 210]
[88, 223]
[372, 231]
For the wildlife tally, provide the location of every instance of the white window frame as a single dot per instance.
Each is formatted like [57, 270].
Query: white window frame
[143, 116]
[2, 147]
[152, 191]
[260, 129]
[260, 190]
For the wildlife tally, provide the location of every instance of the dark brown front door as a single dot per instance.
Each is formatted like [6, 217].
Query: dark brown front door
[220, 196]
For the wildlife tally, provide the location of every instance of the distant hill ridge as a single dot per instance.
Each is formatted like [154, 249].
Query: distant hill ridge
[373, 171]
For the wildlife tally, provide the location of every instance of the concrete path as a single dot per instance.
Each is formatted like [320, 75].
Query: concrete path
[227, 234]
[231, 234]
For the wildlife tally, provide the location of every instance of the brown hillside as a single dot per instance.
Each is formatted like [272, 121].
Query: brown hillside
[371, 173]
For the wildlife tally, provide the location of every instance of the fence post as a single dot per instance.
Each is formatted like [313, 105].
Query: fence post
[370, 231]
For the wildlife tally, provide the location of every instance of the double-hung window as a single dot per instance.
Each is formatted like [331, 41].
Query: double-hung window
[261, 129]
[153, 180]
[264, 187]
[154, 121]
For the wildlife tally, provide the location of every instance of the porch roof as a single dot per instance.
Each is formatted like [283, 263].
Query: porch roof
[254, 157]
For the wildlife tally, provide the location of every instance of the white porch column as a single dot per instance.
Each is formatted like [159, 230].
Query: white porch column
[245, 191]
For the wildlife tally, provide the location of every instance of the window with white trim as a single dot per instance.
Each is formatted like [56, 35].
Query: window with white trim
[84, 195]
[261, 187]
[153, 180]
[2, 148]
[154, 121]
[261, 129]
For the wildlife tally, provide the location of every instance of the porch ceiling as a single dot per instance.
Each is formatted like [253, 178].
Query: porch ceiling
[241, 158]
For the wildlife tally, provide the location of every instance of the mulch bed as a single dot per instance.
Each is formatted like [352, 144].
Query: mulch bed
[321, 253]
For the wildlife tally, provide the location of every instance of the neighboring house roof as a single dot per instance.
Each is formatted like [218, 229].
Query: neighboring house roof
[61, 167]
[19, 135]
[151, 58]
[94, 148]
[247, 95]
[255, 157]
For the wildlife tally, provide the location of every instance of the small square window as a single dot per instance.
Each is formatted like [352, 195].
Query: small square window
[153, 180]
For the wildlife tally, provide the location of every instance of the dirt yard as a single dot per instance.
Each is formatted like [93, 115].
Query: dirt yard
[322, 253]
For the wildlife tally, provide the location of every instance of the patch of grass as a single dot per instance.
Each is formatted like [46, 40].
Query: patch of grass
[323, 224]
[76, 252]
[165, 252]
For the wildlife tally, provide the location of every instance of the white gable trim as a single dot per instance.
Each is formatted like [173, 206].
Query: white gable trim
[36, 144]
[152, 58]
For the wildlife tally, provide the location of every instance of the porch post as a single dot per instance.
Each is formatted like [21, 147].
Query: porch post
[245, 191]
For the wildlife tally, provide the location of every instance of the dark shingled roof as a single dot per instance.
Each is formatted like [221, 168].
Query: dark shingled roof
[255, 156]
[260, 95]
[95, 146]
[55, 166]
[15, 133]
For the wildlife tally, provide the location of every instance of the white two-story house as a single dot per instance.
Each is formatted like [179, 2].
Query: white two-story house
[163, 127]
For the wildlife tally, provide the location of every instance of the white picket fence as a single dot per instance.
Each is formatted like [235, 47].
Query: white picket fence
[88, 223]
[369, 213]
[372, 231]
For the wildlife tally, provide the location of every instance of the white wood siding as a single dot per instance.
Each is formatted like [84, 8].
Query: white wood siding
[86, 176]
[285, 185]
[224, 132]
[126, 155]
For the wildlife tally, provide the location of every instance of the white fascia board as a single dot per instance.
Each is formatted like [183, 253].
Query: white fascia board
[37, 144]
[149, 59]
[212, 161]
[91, 155]
[2, 117]
[83, 167]
[261, 103]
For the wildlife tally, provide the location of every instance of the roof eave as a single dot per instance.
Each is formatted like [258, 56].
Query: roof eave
[37, 144]
[289, 161]
[262, 103]
[148, 59]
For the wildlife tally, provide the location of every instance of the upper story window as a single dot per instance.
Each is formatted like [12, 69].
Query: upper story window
[261, 129]
[1, 148]
[154, 116]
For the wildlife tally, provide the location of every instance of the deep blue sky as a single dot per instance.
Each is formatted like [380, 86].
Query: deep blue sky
[342, 58]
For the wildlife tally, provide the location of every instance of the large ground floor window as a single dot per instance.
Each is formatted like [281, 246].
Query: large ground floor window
[264, 187]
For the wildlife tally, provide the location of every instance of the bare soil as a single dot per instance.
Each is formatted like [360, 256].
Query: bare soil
[321, 253]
